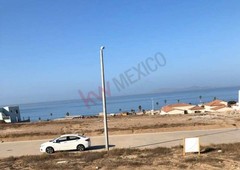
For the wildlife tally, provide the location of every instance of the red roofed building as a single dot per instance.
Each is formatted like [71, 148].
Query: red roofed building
[178, 108]
[216, 105]
[196, 109]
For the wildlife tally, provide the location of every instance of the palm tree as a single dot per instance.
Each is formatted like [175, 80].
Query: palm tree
[165, 101]
[140, 108]
[200, 98]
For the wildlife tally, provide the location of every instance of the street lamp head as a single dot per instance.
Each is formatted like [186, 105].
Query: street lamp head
[102, 47]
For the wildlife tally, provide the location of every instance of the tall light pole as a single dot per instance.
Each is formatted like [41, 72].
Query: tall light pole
[104, 100]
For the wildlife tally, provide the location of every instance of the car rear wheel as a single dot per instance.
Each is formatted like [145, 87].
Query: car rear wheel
[80, 148]
[49, 150]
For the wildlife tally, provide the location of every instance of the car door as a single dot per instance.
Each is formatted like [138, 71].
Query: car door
[72, 142]
[61, 144]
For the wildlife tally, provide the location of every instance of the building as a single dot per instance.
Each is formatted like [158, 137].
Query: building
[196, 109]
[216, 105]
[239, 100]
[222, 109]
[10, 114]
[178, 108]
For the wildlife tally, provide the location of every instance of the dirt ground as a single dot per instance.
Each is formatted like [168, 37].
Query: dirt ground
[224, 156]
[117, 125]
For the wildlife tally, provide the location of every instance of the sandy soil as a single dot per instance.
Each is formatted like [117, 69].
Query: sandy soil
[217, 157]
[224, 156]
[117, 125]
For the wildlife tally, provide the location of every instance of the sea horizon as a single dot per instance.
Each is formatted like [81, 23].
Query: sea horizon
[170, 90]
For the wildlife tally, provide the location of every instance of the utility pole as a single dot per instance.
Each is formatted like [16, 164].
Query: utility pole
[104, 99]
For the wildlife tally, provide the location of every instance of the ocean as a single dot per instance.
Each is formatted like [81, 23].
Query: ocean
[58, 109]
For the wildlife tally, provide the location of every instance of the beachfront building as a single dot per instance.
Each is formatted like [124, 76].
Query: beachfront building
[238, 100]
[236, 106]
[10, 114]
[178, 108]
[196, 109]
[222, 109]
[217, 105]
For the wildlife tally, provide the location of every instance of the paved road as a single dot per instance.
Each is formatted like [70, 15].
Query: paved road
[164, 139]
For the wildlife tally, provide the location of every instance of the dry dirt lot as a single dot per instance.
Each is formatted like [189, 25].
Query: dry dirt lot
[117, 125]
[224, 156]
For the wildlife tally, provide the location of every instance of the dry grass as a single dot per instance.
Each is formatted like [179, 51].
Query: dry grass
[117, 125]
[74, 127]
[16, 135]
[157, 158]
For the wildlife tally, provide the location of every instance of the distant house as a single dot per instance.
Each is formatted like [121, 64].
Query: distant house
[222, 109]
[196, 109]
[167, 110]
[178, 108]
[10, 114]
[216, 105]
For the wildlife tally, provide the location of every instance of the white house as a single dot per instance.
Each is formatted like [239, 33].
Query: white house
[179, 108]
[196, 109]
[222, 109]
[215, 105]
[10, 114]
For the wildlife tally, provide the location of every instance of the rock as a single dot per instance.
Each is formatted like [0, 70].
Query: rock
[62, 162]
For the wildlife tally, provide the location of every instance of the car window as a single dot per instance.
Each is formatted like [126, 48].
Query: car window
[73, 138]
[62, 139]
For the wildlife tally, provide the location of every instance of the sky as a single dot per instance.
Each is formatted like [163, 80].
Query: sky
[49, 50]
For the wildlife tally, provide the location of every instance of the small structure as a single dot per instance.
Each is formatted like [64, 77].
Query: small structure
[10, 114]
[191, 145]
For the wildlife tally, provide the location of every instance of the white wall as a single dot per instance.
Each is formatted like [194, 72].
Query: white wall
[239, 99]
[173, 112]
[13, 112]
[1, 116]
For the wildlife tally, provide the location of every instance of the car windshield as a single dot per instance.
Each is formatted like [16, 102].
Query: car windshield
[52, 140]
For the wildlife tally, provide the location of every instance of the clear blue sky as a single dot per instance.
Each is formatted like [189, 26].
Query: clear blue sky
[50, 49]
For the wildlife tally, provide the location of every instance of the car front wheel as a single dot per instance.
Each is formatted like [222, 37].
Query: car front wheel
[80, 148]
[49, 150]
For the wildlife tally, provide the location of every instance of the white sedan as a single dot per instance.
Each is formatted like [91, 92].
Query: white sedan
[66, 142]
